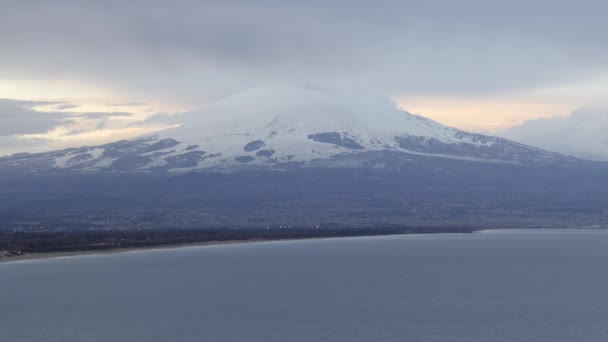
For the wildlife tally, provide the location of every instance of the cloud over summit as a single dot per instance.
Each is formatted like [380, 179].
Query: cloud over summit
[192, 50]
[189, 53]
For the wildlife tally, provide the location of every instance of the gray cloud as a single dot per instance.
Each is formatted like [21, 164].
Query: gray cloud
[25, 104]
[12, 144]
[101, 115]
[19, 117]
[101, 118]
[198, 50]
[66, 106]
[74, 132]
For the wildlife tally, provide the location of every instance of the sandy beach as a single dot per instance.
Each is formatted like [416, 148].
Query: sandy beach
[36, 256]
[47, 255]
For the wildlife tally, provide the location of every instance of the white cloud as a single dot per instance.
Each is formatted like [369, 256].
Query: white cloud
[186, 53]
[33, 126]
[582, 134]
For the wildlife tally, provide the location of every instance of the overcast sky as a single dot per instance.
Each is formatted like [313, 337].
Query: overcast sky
[476, 64]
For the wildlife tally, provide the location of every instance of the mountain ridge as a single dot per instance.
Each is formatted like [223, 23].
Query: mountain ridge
[284, 127]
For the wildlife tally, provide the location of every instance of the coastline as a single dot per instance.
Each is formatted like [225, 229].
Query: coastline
[51, 255]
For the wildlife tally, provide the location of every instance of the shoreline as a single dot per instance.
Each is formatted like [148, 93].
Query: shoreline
[118, 250]
[51, 255]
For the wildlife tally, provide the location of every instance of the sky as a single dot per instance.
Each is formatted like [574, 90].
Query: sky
[85, 72]
[582, 134]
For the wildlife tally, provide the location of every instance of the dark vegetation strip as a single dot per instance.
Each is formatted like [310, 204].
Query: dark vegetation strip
[19, 243]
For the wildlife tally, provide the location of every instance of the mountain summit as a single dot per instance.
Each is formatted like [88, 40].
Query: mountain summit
[277, 156]
[279, 127]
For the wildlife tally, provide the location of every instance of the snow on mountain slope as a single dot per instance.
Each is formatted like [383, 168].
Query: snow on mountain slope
[280, 126]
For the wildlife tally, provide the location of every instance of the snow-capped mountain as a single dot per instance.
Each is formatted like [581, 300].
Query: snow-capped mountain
[281, 155]
[280, 127]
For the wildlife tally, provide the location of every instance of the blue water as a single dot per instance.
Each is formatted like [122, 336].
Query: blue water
[503, 286]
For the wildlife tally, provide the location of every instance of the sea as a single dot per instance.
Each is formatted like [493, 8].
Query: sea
[499, 285]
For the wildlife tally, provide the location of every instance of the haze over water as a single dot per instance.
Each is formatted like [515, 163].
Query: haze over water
[544, 285]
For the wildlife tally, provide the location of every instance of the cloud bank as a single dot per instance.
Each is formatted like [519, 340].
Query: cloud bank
[27, 127]
[19, 117]
[197, 50]
[581, 134]
[191, 52]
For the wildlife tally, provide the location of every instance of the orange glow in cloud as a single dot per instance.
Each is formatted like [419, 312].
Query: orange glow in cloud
[50, 90]
[481, 114]
[88, 97]
[83, 98]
